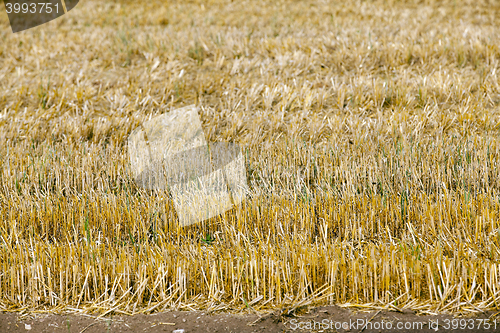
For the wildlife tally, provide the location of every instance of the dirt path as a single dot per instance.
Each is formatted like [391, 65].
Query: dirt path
[321, 319]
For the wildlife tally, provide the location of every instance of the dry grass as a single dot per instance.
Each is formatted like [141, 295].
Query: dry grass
[370, 131]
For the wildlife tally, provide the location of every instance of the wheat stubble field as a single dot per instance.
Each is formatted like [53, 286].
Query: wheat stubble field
[371, 136]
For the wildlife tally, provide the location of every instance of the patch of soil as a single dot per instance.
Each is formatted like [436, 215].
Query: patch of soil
[319, 319]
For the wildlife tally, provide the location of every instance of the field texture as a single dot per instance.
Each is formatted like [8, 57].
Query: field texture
[371, 136]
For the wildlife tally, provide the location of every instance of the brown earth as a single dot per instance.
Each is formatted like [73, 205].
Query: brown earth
[331, 317]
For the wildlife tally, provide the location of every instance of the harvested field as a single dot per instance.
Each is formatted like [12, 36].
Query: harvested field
[370, 131]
